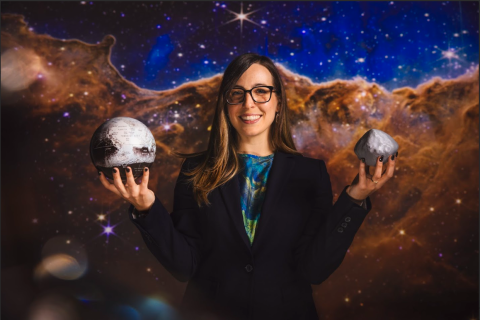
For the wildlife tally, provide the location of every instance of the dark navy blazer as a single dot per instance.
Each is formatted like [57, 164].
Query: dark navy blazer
[301, 238]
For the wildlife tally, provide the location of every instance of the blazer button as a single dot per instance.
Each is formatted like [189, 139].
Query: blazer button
[340, 229]
[249, 268]
[344, 225]
[348, 219]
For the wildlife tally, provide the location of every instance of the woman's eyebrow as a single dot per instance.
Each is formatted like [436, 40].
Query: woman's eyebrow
[255, 85]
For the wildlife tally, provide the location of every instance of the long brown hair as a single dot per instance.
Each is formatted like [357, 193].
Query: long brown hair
[221, 161]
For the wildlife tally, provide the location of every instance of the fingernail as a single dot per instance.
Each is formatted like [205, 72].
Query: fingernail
[396, 155]
[99, 173]
[363, 160]
[393, 157]
[128, 169]
[114, 170]
[381, 158]
[146, 169]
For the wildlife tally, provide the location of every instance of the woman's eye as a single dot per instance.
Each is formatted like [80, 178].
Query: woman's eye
[237, 93]
[260, 91]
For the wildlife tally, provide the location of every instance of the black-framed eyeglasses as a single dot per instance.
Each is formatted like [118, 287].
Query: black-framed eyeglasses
[259, 94]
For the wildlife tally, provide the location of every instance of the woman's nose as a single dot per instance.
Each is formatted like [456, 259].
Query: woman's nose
[248, 101]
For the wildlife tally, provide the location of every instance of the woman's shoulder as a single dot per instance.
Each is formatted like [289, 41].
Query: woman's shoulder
[192, 160]
[304, 160]
[312, 165]
[197, 157]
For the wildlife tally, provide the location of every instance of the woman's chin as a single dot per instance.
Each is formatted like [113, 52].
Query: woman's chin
[252, 133]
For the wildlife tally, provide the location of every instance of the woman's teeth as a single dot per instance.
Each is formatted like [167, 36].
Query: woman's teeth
[248, 118]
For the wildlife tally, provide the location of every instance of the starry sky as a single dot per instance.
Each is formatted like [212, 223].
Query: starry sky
[426, 260]
[160, 45]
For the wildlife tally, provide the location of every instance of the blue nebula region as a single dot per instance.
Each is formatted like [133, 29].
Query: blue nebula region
[161, 45]
[158, 57]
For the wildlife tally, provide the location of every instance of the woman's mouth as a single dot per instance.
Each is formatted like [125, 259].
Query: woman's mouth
[250, 119]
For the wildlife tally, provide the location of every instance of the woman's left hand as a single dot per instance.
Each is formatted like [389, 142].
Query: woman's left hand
[364, 183]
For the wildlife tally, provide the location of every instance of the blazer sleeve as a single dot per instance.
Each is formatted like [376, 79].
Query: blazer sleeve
[329, 231]
[174, 239]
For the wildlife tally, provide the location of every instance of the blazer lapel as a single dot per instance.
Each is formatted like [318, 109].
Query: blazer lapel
[230, 192]
[279, 172]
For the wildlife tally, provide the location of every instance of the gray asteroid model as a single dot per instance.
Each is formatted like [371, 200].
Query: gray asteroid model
[375, 143]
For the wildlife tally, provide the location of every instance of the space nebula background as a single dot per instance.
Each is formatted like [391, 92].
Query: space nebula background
[410, 69]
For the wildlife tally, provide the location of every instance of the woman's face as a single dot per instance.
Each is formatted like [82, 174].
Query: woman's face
[263, 113]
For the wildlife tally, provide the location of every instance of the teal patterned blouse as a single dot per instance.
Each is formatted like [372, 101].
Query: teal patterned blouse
[253, 180]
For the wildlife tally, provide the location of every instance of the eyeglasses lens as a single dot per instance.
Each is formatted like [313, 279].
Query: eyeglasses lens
[260, 94]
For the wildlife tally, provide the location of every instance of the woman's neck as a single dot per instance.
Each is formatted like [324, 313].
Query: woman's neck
[255, 153]
[257, 147]
[261, 152]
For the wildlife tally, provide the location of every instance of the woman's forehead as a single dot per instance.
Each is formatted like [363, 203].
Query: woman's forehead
[256, 74]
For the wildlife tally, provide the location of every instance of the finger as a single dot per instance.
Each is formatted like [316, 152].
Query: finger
[107, 184]
[378, 169]
[146, 176]
[391, 167]
[117, 181]
[362, 174]
[132, 185]
[389, 170]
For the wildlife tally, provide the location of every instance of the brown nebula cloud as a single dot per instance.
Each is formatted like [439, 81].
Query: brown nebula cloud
[416, 254]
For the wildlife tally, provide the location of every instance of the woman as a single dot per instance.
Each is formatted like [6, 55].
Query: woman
[253, 224]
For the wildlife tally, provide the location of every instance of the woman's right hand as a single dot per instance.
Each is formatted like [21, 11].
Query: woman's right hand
[138, 195]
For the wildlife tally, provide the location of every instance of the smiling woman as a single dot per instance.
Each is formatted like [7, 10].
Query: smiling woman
[251, 117]
[253, 225]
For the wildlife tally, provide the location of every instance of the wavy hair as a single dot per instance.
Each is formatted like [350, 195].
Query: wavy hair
[220, 163]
